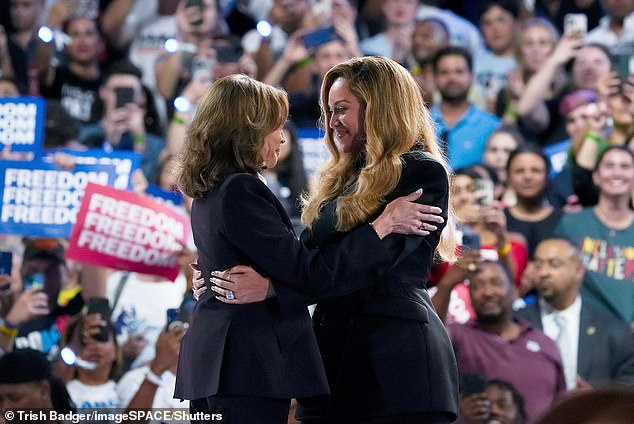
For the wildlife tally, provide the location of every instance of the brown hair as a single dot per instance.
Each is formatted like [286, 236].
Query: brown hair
[227, 132]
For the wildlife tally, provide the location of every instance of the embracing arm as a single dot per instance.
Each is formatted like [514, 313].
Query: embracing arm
[259, 232]
[397, 245]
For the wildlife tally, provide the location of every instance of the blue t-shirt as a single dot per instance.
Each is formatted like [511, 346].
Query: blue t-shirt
[467, 139]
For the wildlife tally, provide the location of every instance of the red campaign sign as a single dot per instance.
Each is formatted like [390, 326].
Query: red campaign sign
[127, 231]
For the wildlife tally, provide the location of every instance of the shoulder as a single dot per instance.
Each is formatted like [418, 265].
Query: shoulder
[576, 216]
[421, 169]
[241, 182]
[606, 322]
[418, 162]
[236, 189]
[483, 118]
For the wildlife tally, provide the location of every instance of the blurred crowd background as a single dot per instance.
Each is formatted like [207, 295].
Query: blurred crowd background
[534, 107]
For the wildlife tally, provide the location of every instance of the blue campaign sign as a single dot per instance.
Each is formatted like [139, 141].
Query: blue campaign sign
[314, 151]
[170, 198]
[22, 124]
[42, 200]
[125, 163]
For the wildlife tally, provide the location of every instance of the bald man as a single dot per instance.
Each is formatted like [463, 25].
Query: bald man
[598, 349]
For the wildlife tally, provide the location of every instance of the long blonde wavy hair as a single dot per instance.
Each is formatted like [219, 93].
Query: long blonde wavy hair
[396, 122]
[233, 118]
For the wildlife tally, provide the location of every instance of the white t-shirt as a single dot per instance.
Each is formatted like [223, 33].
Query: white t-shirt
[142, 307]
[96, 397]
[163, 398]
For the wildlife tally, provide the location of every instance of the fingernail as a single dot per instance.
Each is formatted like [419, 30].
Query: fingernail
[419, 191]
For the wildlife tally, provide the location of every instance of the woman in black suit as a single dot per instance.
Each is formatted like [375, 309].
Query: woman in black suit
[386, 353]
[246, 362]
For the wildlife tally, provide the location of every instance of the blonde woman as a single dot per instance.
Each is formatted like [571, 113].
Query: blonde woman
[246, 361]
[386, 353]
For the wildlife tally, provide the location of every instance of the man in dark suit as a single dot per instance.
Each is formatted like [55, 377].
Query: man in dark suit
[596, 348]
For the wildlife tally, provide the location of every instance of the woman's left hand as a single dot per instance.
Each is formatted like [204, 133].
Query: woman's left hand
[240, 284]
[404, 216]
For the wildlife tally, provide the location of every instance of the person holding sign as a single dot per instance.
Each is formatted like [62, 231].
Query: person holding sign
[247, 361]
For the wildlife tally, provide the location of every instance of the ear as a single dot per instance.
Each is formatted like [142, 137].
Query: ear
[44, 389]
[595, 179]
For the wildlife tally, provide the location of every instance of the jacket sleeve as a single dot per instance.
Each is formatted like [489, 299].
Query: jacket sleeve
[253, 224]
[431, 176]
[418, 172]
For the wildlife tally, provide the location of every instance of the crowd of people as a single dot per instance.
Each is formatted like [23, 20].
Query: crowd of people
[502, 290]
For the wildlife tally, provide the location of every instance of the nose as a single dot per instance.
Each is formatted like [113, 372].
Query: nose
[333, 121]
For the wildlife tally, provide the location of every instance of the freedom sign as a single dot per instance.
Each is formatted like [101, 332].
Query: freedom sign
[22, 124]
[127, 231]
[125, 162]
[41, 200]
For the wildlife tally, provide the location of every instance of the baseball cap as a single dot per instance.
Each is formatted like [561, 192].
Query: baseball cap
[575, 99]
[43, 248]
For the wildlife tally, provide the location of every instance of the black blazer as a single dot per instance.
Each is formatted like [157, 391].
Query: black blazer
[384, 348]
[259, 349]
[606, 345]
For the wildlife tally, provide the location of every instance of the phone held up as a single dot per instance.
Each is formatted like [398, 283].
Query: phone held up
[101, 306]
[173, 318]
[6, 261]
[319, 37]
[33, 281]
[472, 383]
[470, 240]
[123, 96]
[576, 24]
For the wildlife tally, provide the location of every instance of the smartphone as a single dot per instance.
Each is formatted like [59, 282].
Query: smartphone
[100, 305]
[320, 36]
[623, 65]
[6, 262]
[576, 24]
[470, 240]
[202, 67]
[33, 281]
[472, 382]
[198, 3]
[124, 95]
[86, 8]
[484, 191]
[228, 54]
[173, 317]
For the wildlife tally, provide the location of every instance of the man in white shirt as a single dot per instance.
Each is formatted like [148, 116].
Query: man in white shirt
[596, 348]
[616, 28]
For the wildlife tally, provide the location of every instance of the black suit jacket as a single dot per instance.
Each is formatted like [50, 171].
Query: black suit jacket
[606, 346]
[385, 350]
[259, 349]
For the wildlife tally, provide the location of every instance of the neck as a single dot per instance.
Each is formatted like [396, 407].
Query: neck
[24, 37]
[85, 70]
[504, 327]
[619, 134]
[614, 211]
[94, 377]
[452, 111]
[616, 25]
[563, 302]
[392, 29]
[531, 204]
[508, 52]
